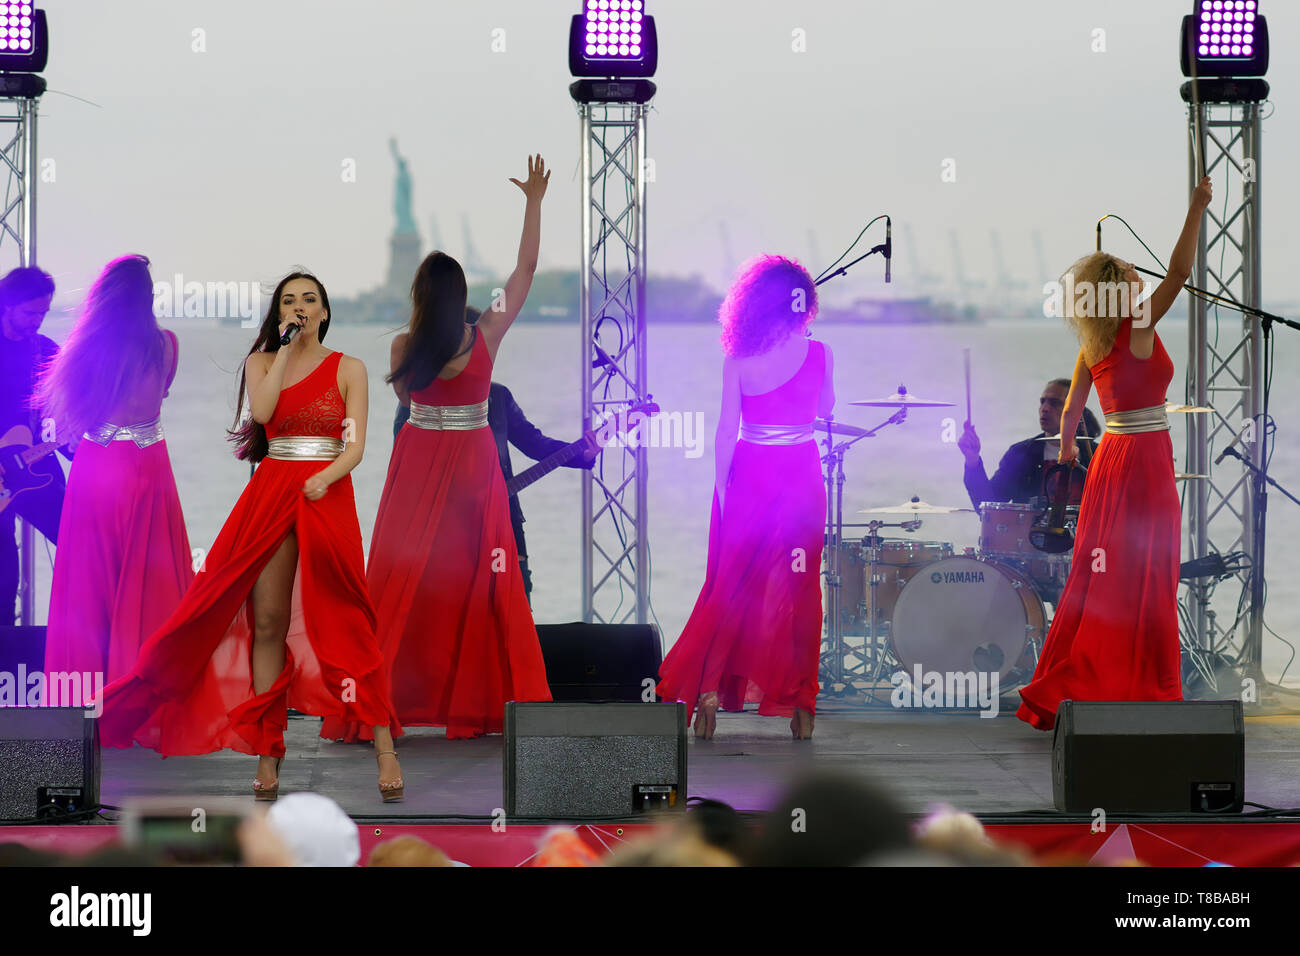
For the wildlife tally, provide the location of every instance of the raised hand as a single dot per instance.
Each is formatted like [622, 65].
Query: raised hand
[538, 177]
[1203, 193]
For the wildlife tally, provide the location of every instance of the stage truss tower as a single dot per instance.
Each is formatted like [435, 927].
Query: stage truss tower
[612, 309]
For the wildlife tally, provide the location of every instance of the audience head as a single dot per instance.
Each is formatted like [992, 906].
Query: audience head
[830, 819]
[407, 851]
[316, 830]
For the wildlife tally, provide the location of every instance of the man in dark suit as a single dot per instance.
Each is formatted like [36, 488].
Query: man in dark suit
[510, 427]
[1019, 476]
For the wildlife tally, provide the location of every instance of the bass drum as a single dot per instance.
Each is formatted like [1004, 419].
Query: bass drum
[966, 614]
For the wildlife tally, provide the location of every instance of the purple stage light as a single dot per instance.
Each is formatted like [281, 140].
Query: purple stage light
[1224, 33]
[611, 38]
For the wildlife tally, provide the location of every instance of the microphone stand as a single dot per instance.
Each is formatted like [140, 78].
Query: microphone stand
[834, 461]
[843, 270]
[1252, 653]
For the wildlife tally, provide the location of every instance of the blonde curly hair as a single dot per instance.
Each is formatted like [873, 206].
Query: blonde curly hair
[1095, 326]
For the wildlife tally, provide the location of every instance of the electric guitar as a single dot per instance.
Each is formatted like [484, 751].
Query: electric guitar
[574, 451]
[16, 453]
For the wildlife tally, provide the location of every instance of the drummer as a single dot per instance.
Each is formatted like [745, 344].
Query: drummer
[1020, 472]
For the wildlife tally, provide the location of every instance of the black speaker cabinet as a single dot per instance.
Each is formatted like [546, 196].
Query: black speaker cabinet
[49, 758]
[1149, 756]
[600, 661]
[567, 760]
[23, 646]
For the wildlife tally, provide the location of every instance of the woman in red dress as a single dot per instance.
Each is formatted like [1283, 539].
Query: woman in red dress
[1115, 632]
[453, 619]
[123, 562]
[278, 615]
[755, 631]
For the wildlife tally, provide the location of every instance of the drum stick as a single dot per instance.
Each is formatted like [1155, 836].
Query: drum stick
[966, 360]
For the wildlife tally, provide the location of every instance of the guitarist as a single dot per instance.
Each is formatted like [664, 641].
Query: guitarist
[25, 296]
[510, 427]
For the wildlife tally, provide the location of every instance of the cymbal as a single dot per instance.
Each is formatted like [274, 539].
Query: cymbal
[902, 399]
[839, 428]
[915, 507]
[1057, 437]
[1183, 476]
[1172, 409]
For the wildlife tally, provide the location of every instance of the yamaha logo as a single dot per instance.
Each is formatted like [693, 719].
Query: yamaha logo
[957, 577]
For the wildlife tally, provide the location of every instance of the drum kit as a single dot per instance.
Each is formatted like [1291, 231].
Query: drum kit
[893, 603]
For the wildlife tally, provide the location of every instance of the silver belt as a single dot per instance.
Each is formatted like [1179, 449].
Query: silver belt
[304, 448]
[449, 417]
[1134, 421]
[776, 434]
[143, 434]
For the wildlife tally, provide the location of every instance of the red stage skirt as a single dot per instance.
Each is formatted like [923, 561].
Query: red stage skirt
[191, 691]
[454, 623]
[755, 631]
[123, 562]
[1115, 632]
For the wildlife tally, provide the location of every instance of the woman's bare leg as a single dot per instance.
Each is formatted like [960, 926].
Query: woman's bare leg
[389, 769]
[272, 606]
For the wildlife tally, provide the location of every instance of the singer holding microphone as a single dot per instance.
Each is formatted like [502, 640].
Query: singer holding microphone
[278, 615]
[1115, 632]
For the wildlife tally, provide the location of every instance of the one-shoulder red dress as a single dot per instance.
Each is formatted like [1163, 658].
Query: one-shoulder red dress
[191, 690]
[454, 623]
[123, 562]
[755, 631]
[1115, 632]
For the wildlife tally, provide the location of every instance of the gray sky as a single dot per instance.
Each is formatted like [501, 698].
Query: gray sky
[226, 164]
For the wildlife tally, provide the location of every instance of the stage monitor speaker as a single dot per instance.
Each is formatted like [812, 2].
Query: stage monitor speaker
[1149, 756]
[23, 646]
[50, 758]
[578, 760]
[592, 662]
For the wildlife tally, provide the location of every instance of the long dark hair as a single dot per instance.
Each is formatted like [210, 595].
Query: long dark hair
[114, 350]
[438, 296]
[249, 436]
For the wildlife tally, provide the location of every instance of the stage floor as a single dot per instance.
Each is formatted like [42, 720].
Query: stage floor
[988, 766]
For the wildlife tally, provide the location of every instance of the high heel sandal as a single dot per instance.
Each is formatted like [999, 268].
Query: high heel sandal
[801, 725]
[706, 716]
[261, 791]
[392, 791]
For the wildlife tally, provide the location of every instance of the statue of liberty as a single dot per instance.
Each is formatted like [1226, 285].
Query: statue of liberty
[402, 195]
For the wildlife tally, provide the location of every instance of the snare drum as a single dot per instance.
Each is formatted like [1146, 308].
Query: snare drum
[967, 614]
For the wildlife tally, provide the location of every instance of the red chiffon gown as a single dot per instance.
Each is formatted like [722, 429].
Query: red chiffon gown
[123, 562]
[755, 632]
[1115, 632]
[454, 623]
[191, 691]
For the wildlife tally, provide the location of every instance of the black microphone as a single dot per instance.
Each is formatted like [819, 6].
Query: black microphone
[1224, 454]
[287, 336]
[889, 246]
